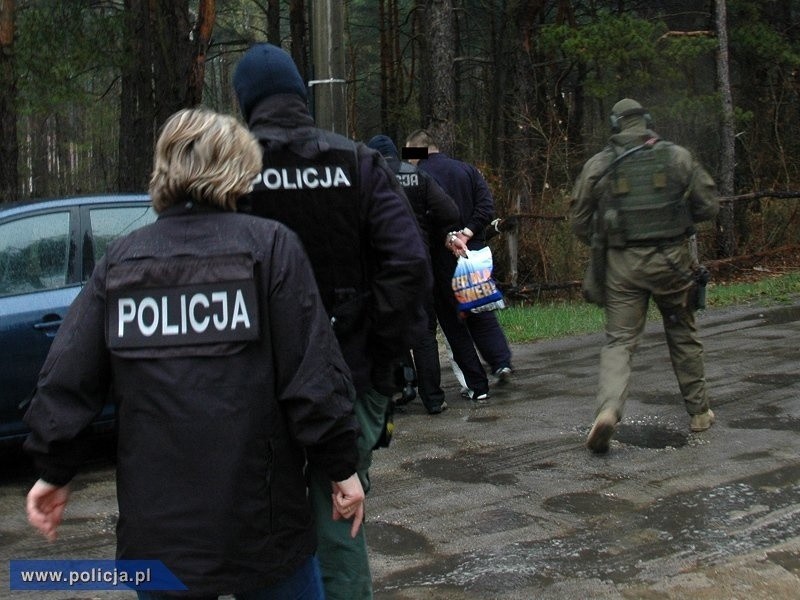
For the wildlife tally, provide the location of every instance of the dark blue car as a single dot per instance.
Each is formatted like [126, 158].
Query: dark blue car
[47, 252]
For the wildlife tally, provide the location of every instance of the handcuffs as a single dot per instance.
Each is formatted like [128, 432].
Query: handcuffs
[451, 238]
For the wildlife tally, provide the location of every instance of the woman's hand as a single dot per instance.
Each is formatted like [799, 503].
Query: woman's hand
[348, 502]
[45, 506]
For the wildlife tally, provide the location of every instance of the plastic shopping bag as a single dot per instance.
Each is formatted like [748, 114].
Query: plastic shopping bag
[473, 286]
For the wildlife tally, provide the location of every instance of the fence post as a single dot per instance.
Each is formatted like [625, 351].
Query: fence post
[513, 245]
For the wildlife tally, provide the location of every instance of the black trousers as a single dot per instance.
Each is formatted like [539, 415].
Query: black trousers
[426, 363]
[471, 337]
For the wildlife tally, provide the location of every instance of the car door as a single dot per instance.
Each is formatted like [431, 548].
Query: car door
[100, 224]
[45, 258]
[37, 286]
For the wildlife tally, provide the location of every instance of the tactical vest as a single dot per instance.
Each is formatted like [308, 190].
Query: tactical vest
[645, 205]
[311, 185]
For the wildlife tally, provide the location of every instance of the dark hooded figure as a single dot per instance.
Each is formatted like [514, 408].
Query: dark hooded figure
[369, 262]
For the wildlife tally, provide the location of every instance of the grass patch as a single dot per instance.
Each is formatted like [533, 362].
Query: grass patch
[768, 291]
[528, 322]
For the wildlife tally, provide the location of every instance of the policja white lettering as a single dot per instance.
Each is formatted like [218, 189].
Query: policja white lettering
[148, 316]
[184, 315]
[307, 178]
[408, 179]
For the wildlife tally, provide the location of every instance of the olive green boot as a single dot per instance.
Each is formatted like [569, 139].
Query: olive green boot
[602, 431]
[702, 421]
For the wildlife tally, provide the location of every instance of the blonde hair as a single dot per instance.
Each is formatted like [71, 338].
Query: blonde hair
[205, 157]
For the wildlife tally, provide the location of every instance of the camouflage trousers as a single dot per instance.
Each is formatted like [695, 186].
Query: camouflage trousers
[633, 276]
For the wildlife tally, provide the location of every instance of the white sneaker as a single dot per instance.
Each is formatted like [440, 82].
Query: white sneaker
[478, 399]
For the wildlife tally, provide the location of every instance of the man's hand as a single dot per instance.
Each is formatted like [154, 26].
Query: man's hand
[456, 242]
[348, 502]
[45, 505]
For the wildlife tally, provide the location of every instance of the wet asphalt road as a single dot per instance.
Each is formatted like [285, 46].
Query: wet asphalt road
[503, 501]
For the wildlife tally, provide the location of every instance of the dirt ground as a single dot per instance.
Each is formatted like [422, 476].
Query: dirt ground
[503, 501]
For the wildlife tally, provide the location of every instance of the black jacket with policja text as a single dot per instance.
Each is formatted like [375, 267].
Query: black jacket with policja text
[208, 328]
[360, 233]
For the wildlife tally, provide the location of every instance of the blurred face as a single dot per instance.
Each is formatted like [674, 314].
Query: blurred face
[414, 154]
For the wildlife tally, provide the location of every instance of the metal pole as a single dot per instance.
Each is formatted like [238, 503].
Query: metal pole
[329, 85]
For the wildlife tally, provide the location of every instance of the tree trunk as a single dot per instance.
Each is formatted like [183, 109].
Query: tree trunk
[385, 53]
[438, 79]
[155, 80]
[297, 30]
[9, 145]
[274, 22]
[171, 59]
[206, 16]
[39, 161]
[726, 235]
[419, 55]
[136, 119]
[397, 79]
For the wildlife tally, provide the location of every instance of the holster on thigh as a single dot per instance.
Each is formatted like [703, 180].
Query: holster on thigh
[674, 315]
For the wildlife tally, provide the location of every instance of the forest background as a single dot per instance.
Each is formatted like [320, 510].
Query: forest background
[522, 89]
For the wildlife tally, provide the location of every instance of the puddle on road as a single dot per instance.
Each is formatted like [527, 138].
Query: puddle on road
[650, 436]
[501, 519]
[701, 527]
[586, 503]
[465, 467]
[396, 540]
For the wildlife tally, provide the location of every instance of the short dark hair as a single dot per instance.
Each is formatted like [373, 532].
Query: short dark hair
[421, 137]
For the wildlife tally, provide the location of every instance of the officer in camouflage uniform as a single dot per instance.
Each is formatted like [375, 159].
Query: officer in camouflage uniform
[638, 201]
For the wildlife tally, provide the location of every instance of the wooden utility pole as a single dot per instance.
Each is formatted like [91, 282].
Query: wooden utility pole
[328, 87]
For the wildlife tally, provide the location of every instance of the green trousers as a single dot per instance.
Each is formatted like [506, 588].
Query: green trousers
[633, 276]
[343, 560]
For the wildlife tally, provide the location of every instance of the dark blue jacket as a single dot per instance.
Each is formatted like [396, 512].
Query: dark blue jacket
[464, 184]
[437, 213]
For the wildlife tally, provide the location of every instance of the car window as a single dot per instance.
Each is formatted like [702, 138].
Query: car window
[34, 253]
[109, 223]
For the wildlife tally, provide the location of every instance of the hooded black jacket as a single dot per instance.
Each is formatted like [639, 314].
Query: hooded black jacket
[384, 235]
